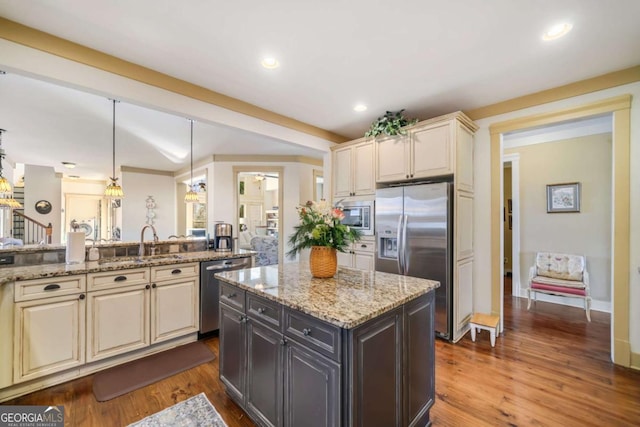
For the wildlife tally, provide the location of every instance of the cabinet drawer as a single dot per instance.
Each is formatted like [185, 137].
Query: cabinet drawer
[116, 279]
[232, 296]
[164, 272]
[364, 246]
[313, 333]
[51, 287]
[265, 311]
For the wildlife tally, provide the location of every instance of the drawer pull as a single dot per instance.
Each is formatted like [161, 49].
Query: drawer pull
[232, 295]
[52, 287]
[261, 310]
[363, 246]
[306, 332]
[176, 271]
[120, 278]
[81, 296]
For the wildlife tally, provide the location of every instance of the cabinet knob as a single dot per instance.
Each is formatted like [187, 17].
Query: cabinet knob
[407, 175]
[147, 287]
[283, 341]
[306, 331]
[261, 310]
[81, 296]
[411, 175]
[153, 285]
[242, 318]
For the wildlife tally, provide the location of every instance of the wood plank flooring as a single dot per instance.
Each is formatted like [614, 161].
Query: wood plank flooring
[551, 368]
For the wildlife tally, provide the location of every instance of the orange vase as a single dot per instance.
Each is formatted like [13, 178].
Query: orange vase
[323, 262]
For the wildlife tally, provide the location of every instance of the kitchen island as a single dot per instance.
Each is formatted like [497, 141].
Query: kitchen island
[353, 350]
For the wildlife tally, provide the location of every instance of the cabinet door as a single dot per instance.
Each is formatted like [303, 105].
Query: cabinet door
[463, 292]
[117, 321]
[392, 158]
[419, 374]
[464, 225]
[311, 388]
[345, 259]
[233, 351]
[432, 153]
[49, 336]
[364, 260]
[375, 380]
[342, 174]
[264, 373]
[464, 159]
[363, 167]
[174, 308]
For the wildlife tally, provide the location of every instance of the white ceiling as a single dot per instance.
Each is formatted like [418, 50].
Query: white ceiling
[428, 56]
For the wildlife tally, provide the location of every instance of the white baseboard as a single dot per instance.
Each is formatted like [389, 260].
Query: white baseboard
[596, 305]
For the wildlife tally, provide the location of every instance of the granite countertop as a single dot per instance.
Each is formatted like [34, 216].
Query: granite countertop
[11, 274]
[347, 300]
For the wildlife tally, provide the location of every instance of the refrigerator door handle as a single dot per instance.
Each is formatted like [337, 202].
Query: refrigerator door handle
[405, 248]
[400, 250]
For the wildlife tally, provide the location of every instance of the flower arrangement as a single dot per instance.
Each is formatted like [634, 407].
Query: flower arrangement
[392, 123]
[320, 226]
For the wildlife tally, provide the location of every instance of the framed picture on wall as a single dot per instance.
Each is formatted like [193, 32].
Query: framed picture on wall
[563, 197]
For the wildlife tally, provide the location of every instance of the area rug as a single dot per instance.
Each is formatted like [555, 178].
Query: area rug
[195, 411]
[116, 381]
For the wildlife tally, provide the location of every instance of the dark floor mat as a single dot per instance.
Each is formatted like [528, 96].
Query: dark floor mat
[121, 379]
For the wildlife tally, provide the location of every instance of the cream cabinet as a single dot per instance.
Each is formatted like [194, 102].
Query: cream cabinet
[437, 147]
[353, 169]
[361, 255]
[49, 326]
[132, 309]
[175, 300]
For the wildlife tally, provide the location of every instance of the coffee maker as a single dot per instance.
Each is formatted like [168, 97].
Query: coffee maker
[222, 237]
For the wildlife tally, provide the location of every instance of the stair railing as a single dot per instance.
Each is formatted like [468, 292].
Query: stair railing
[34, 231]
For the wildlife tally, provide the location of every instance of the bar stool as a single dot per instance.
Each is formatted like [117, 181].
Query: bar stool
[487, 322]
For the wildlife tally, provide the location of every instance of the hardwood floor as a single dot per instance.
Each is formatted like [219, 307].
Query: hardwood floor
[550, 368]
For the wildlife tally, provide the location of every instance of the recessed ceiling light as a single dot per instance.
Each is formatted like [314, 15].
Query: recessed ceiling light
[360, 108]
[270, 63]
[557, 31]
[69, 165]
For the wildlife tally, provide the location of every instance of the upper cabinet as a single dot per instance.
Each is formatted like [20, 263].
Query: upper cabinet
[353, 169]
[435, 147]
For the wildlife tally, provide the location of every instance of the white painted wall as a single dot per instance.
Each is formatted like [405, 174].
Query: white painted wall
[42, 183]
[137, 187]
[482, 220]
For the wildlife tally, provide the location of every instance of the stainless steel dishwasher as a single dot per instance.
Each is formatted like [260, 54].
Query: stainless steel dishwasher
[209, 288]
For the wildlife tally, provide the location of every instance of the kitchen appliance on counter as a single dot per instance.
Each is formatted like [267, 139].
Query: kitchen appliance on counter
[222, 237]
[414, 233]
[358, 215]
[210, 287]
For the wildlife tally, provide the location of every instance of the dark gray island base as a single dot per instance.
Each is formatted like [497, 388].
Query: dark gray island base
[353, 350]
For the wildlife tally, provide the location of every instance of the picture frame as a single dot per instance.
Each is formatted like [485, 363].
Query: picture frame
[563, 197]
[43, 207]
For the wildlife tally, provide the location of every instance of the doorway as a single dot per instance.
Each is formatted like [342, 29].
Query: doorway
[619, 108]
[258, 200]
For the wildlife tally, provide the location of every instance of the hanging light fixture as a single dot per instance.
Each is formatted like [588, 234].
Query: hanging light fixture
[113, 190]
[5, 186]
[191, 196]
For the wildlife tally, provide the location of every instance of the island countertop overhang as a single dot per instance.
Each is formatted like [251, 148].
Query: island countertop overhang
[347, 300]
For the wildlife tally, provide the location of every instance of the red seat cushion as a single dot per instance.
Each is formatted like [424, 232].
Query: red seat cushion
[561, 289]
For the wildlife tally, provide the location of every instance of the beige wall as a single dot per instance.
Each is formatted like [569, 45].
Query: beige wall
[586, 160]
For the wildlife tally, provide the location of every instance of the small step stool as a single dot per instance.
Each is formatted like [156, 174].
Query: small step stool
[488, 322]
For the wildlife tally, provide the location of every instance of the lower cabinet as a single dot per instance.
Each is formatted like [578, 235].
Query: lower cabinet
[49, 336]
[361, 255]
[286, 368]
[130, 313]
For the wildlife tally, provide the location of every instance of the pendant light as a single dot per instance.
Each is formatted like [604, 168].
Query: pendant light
[113, 190]
[5, 186]
[191, 196]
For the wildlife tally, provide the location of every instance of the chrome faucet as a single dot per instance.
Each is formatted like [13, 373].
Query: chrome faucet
[153, 244]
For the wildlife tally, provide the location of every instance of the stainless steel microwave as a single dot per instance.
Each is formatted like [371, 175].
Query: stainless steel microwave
[359, 215]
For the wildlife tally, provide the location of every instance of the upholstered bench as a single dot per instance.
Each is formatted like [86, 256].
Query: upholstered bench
[560, 274]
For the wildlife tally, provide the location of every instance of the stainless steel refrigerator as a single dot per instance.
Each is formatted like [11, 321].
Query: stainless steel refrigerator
[414, 238]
